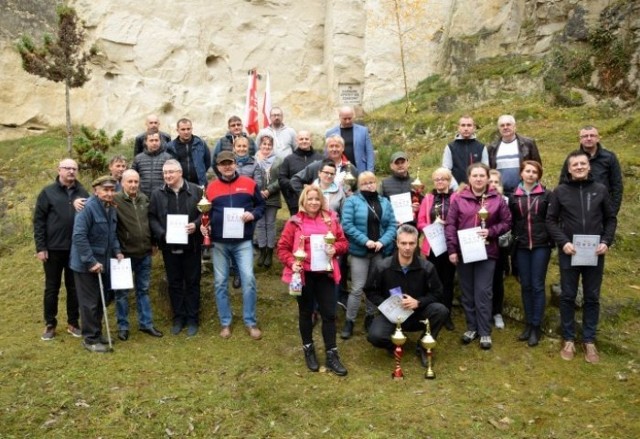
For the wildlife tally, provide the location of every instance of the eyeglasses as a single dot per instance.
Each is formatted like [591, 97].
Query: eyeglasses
[367, 183]
[332, 174]
[68, 168]
[440, 179]
[170, 171]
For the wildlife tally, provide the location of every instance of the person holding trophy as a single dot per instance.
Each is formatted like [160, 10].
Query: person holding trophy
[311, 239]
[477, 217]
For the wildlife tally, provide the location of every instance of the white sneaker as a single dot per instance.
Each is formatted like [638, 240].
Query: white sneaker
[485, 342]
[498, 321]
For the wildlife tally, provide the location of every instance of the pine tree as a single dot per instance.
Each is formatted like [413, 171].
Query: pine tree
[60, 59]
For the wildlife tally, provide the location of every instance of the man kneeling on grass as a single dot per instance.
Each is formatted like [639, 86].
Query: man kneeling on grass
[421, 292]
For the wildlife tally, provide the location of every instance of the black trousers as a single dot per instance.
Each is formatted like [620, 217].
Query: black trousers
[90, 302]
[447, 273]
[381, 328]
[54, 266]
[318, 289]
[183, 275]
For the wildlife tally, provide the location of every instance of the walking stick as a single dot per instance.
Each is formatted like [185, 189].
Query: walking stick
[104, 310]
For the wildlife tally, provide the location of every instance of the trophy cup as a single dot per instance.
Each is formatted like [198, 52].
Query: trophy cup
[483, 214]
[204, 206]
[329, 239]
[416, 184]
[438, 209]
[295, 286]
[398, 339]
[349, 179]
[428, 343]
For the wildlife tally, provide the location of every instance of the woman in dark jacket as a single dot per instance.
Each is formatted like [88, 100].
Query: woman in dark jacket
[476, 278]
[528, 206]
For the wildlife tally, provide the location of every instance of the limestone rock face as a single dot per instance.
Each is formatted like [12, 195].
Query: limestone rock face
[190, 58]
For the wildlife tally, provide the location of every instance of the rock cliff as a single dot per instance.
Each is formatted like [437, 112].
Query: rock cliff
[190, 58]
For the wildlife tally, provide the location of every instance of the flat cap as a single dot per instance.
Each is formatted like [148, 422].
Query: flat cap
[104, 181]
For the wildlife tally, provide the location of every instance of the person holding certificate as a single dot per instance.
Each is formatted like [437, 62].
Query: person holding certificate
[370, 225]
[528, 206]
[582, 221]
[431, 219]
[175, 221]
[304, 235]
[477, 217]
[236, 205]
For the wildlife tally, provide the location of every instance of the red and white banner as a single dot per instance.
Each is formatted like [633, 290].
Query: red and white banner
[266, 104]
[251, 104]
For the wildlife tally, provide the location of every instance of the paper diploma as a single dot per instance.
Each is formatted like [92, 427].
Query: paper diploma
[392, 309]
[121, 274]
[586, 246]
[177, 229]
[402, 208]
[232, 224]
[472, 245]
[319, 258]
[435, 236]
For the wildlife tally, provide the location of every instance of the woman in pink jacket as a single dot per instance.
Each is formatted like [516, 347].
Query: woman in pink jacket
[476, 278]
[435, 207]
[312, 222]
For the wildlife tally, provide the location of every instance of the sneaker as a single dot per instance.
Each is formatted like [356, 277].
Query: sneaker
[96, 347]
[469, 336]
[192, 329]
[591, 353]
[254, 332]
[485, 342]
[498, 321]
[75, 331]
[49, 333]
[225, 332]
[568, 350]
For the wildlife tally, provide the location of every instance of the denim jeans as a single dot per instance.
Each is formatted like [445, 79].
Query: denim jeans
[591, 282]
[242, 253]
[141, 268]
[532, 269]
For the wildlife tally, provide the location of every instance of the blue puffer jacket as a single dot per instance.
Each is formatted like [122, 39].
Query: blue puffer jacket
[355, 213]
[94, 237]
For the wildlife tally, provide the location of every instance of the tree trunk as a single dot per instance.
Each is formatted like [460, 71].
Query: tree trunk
[67, 103]
[396, 6]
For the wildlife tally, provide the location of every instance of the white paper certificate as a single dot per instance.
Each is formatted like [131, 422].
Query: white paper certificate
[586, 246]
[393, 310]
[402, 208]
[232, 224]
[435, 235]
[472, 245]
[177, 229]
[121, 274]
[319, 259]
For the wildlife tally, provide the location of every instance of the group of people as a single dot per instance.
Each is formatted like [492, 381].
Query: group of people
[344, 225]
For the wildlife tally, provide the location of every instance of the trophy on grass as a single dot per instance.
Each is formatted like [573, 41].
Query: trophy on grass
[398, 338]
[428, 342]
[483, 214]
[204, 206]
[329, 239]
[295, 285]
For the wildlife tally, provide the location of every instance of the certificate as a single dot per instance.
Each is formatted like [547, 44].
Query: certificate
[402, 208]
[393, 310]
[586, 246]
[435, 236]
[177, 229]
[232, 224]
[472, 245]
[319, 258]
[121, 274]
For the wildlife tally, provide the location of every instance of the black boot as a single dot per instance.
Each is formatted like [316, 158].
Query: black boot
[334, 364]
[310, 357]
[347, 330]
[534, 338]
[268, 257]
[367, 322]
[263, 254]
[526, 333]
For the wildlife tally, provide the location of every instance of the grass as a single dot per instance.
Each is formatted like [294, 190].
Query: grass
[209, 387]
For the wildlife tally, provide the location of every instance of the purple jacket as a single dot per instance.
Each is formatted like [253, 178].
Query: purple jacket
[463, 214]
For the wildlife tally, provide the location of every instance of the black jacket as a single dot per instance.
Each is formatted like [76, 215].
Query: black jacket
[140, 142]
[291, 165]
[605, 169]
[54, 214]
[464, 152]
[529, 213]
[420, 282]
[581, 208]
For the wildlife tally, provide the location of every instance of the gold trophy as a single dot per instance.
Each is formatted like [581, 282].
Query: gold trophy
[428, 343]
[300, 254]
[483, 214]
[329, 239]
[416, 184]
[295, 286]
[438, 209]
[204, 206]
[349, 179]
[398, 339]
